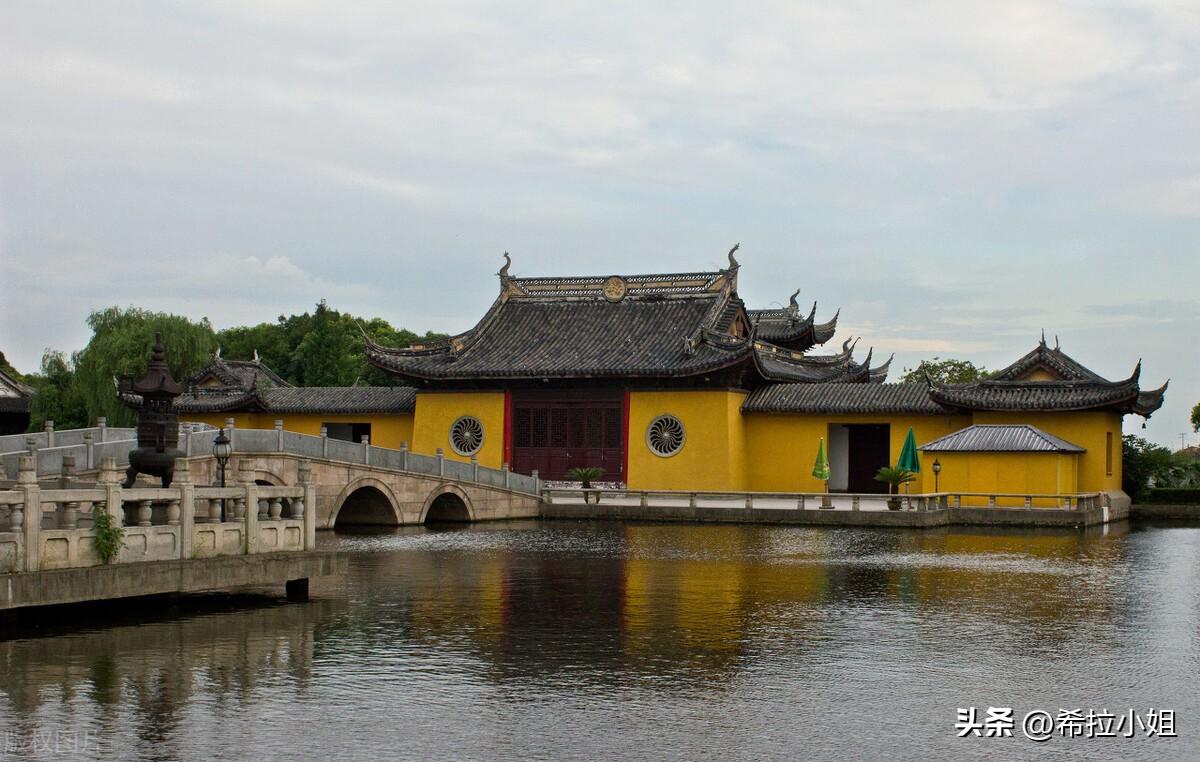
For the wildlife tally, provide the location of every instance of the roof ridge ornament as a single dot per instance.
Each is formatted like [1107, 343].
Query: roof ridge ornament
[733, 263]
[256, 358]
[217, 354]
[793, 306]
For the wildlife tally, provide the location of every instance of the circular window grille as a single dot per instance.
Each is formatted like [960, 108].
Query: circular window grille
[665, 435]
[466, 435]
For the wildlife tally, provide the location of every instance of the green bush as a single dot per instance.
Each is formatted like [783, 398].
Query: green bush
[109, 536]
[585, 474]
[1174, 495]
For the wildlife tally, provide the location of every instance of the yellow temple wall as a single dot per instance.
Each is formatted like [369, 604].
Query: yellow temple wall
[1098, 432]
[436, 412]
[781, 448]
[1020, 473]
[387, 429]
[713, 454]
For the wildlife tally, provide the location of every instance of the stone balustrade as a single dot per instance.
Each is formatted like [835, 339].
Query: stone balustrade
[840, 500]
[43, 529]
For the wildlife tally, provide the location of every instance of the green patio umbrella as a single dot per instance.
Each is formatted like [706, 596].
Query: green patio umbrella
[821, 467]
[909, 460]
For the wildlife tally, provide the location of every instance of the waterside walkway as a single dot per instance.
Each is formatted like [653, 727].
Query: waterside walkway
[918, 510]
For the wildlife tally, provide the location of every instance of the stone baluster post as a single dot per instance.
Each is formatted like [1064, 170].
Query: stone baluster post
[229, 433]
[110, 479]
[474, 468]
[537, 481]
[28, 486]
[507, 473]
[275, 509]
[278, 435]
[69, 472]
[246, 477]
[31, 444]
[441, 461]
[102, 426]
[404, 456]
[89, 448]
[324, 442]
[366, 443]
[186, 515]
[49, 433]
[307, 508]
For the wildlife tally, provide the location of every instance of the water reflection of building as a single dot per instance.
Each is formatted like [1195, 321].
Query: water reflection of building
[674, 601]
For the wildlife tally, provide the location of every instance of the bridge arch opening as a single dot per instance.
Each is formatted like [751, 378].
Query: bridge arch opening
[366, 506]
[446, 508]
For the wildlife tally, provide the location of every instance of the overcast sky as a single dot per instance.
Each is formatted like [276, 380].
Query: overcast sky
[956, 176]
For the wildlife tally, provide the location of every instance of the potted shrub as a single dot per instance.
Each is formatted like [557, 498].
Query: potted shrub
[894, 477]
[585, 475]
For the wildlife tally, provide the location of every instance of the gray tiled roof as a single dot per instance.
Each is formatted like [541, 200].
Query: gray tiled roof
[1000, 438]
[14, 395]
[835, 399]
[525, 338]
[242, 374]
[1075, 388]
[786, 328]
[304, 399]
[1054, 361]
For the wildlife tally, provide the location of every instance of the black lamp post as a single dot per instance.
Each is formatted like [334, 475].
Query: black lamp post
[937, 469]
[222, 449]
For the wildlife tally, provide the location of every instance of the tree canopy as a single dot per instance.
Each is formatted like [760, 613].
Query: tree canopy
[319, 348]
[1196, 417]
[947, 371]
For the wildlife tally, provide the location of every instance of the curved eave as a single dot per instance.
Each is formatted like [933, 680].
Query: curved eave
[1122, 397]
[1148, 402]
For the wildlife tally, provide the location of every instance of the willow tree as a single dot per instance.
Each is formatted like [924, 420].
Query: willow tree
[120, 346]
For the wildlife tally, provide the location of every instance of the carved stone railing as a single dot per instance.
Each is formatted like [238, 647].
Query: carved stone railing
[196, 440]
[818, 500]
[43, 529]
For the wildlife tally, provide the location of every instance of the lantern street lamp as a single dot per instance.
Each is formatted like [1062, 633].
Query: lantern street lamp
[222, 449]
[937, 469]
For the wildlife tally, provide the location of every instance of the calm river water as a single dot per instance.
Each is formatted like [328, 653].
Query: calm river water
[557, 640]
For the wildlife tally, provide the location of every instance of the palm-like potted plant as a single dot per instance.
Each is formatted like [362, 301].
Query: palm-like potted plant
[894, 477]
[585, 475]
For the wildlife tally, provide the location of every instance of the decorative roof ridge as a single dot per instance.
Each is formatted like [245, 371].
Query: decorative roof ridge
[1051, 358]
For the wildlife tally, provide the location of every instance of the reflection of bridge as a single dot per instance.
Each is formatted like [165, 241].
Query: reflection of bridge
[355, 483]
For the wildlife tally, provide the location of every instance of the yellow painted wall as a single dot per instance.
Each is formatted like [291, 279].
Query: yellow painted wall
[781, 449]
[713, 454]
[1020, 473]
[1086, 429]
[437, 411]
[387, 429]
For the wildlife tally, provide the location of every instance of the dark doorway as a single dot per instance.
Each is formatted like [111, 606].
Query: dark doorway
[366, 506]
[347, 432]
[447, 508]
[869, 451]
[555, 432]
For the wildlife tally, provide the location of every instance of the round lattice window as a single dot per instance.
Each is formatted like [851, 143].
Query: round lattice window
[665, 435]
[466, 435]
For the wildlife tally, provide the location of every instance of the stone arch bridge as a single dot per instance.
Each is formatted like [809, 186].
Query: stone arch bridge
[356, 484]
[351, 494]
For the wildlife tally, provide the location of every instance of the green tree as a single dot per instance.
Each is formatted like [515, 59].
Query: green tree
[323, 356]
[1142, 461]
[120, 346]
[948, 371]
[57, 397]
[8, 368]
[1196, 417]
